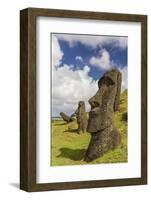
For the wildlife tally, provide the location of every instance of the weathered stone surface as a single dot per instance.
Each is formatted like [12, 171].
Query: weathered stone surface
[82, 119]
[104, 103]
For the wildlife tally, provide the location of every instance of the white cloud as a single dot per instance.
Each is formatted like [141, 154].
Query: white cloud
[79, 58]
[124, 78]
[93, 41]
[102, 61]
[69, 86]
[122, 42]
[56, 52]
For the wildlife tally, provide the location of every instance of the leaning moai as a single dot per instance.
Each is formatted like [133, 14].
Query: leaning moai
[104, 103]
[82, 119]
[67, 118]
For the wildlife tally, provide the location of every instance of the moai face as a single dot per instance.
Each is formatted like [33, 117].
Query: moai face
[81, 108]
[105, 101]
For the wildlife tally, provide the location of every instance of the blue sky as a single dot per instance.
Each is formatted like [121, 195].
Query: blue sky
[71, 54]
[78, 62]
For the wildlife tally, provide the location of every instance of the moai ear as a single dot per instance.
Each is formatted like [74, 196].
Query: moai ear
[118, 92]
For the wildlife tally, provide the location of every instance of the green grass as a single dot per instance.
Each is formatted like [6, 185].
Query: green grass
[68, 147]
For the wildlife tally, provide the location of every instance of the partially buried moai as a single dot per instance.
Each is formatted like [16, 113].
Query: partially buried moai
[104, 103]
[67, 118]
[82, 119]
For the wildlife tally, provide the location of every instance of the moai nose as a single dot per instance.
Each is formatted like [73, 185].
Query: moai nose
[94, 101]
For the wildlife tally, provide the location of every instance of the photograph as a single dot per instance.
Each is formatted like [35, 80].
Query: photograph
[89, 95]
[83, 92]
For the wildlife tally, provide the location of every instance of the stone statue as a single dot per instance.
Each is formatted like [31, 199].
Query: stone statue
[104, 103]
[82, 119]
[67, 118]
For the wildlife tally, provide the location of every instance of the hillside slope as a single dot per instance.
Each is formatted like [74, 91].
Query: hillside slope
[68, 147]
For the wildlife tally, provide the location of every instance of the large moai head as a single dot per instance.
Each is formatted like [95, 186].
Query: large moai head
[105, 102]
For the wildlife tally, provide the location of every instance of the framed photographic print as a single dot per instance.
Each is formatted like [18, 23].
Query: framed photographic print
[83, 99]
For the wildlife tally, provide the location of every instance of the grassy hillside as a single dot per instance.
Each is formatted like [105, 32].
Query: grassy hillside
[68, 147]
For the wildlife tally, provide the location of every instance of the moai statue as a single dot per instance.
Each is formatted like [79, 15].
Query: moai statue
[67, 118]
[82, 119]
[104, 103]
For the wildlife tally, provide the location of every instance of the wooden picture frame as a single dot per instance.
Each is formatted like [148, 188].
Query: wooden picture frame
[28, 98]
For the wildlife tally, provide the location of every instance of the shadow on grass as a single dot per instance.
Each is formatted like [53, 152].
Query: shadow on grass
[71, 131]
[61, 124]
[73, 154]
